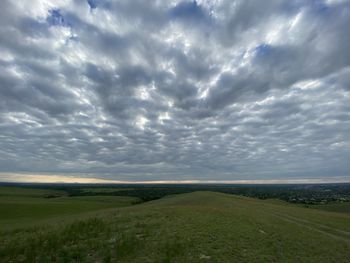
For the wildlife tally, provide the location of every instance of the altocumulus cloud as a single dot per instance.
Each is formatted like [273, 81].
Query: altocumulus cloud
[175, 90]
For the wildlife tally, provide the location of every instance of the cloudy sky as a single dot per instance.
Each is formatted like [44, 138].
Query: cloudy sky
[175, 90]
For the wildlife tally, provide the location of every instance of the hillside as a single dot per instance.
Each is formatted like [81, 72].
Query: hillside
[193, 227]
[25, 207]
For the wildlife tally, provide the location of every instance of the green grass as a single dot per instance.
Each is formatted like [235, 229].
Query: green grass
[21, 211]
[29, 192]
[194, 227]
[335, 207]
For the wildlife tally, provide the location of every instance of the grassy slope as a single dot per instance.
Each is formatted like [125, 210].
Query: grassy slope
[331, 207]
[335, 207]
[21, 207]
[195, 227]
[29, 192]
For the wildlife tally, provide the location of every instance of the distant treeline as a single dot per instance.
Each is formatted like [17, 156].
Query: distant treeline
[305, 194]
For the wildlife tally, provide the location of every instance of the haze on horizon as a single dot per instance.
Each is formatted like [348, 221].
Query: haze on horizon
[205, 90]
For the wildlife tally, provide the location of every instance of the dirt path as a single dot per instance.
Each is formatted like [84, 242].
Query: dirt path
[326, 230]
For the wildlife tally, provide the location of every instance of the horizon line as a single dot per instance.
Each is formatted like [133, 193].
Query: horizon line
[65, 179]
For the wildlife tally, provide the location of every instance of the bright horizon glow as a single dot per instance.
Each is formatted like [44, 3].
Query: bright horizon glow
[41, 178]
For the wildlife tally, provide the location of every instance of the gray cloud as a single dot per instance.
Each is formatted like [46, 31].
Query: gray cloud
[175, 90]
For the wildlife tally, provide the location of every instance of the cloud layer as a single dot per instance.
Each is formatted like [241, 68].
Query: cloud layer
[175, 90]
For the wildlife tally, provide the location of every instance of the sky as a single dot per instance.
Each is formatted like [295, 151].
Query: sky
[180, 91]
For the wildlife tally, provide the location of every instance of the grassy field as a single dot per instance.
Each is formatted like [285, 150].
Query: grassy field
[7, 191]
[194, 227]
[22, 207]
[335, 207]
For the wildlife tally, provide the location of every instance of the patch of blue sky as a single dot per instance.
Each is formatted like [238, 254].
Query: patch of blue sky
[263, 50]
[92, 3]
[55, 18]
[188, 9]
